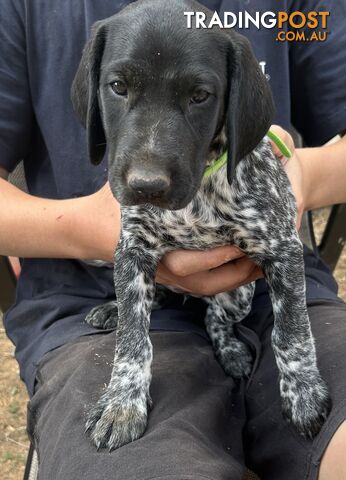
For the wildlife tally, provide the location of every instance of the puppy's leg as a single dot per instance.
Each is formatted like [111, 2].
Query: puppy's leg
[120, 416]
[223, 311]
[103, 316]
[304, 393]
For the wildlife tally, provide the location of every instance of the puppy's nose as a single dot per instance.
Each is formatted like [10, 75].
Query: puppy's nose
[158, 184]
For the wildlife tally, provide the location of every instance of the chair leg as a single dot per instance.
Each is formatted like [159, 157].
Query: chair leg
[8, 284]
[31, 467]
[306, 232]
[334, 237]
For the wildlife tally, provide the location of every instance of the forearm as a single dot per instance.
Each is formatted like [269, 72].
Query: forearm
[324, 173]
[37, 227]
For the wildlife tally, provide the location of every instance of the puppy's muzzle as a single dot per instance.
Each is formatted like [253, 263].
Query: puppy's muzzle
[144, 183]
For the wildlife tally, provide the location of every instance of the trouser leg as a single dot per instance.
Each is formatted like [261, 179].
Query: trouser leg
[193, 428]
[273, 447]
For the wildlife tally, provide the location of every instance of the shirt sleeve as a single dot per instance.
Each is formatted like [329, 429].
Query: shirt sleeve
[16, 112]
[318, 75]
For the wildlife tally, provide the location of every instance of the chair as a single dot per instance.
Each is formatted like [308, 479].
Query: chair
[8, 284]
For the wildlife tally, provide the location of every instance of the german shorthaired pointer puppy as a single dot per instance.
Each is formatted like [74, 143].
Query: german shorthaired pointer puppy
[168, 101]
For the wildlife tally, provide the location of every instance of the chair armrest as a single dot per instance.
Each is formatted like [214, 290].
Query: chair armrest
[8, 284]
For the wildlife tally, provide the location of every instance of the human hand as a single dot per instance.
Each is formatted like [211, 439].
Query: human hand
[207, 272]
[293, 168]
[100, 231]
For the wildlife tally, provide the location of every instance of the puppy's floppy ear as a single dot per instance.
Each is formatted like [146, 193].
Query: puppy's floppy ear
[250, 103]
[84, 93]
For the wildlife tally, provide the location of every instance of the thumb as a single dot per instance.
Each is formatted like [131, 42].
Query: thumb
[187, 262]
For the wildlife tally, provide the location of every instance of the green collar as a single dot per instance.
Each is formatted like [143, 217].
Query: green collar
[215, 166]
[220, 162]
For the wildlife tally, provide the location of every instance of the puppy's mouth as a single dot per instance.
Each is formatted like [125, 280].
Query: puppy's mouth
[170, 201]
[140, 198]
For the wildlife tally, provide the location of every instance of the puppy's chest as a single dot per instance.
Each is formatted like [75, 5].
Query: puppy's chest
[198, 226]
[206, 222]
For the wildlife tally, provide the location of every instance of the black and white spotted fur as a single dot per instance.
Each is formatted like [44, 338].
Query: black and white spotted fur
[256, 212]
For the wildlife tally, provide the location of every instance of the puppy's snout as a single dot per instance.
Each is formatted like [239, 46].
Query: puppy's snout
[157, 184]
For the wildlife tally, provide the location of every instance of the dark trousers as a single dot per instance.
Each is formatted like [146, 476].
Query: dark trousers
[204, 425]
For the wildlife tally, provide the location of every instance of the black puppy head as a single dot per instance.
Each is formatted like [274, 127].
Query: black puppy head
[158, 94]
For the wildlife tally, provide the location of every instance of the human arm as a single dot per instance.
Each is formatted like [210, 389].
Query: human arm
[317, 175]
[324, 172]
[86, 227]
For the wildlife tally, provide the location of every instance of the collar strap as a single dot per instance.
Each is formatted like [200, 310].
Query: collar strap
[221, 161]
[215, 166]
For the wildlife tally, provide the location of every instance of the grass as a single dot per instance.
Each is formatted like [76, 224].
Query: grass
[13, 398]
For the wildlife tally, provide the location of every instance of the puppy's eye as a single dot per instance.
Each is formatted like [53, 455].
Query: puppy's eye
[199, 96]
[119, 87]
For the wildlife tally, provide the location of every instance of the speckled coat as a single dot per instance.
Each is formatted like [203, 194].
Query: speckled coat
[257, 213]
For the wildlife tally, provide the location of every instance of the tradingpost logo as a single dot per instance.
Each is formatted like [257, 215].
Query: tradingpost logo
[288, 27]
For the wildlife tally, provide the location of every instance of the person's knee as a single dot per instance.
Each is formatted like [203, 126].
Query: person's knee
[333, 465]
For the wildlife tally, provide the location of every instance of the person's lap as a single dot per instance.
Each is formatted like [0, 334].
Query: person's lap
[203, 424]
[274, 449]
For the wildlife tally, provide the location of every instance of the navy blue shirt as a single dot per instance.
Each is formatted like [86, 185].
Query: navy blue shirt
[40, 47]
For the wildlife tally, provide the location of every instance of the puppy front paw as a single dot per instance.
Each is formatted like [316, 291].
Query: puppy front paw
[305, 403]
[103, 316]
[117, 420]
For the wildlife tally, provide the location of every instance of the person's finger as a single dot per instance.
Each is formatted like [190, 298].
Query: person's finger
[221, 279]
[285, 137]
[166, 277]
[187, 262]
[229, 276]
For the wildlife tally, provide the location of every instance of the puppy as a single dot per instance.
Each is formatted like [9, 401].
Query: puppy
[168, 101]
